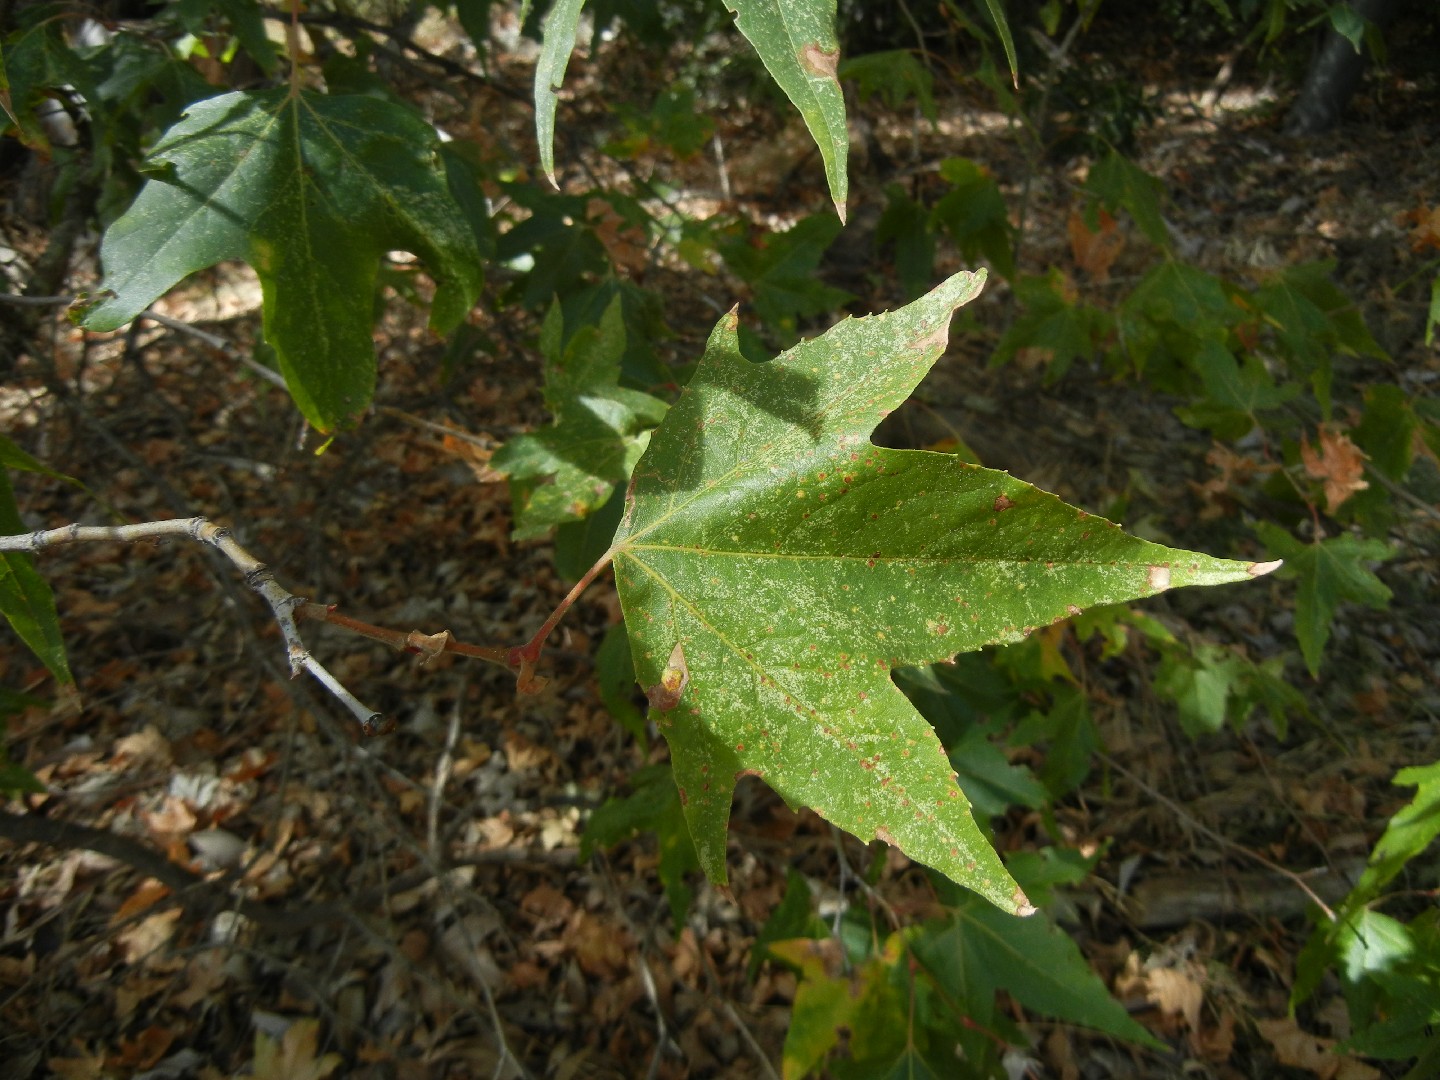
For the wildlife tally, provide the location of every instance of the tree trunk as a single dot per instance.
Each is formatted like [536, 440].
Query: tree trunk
[1334, 75]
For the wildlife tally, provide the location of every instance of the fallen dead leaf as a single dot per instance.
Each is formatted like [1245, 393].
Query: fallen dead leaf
[1339, 463]
[292, 1057]
[1299, 1049]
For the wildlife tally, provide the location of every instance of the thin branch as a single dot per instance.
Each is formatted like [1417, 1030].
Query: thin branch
[214, 341]
[285, 606]
[256, 574]
[1219, 838]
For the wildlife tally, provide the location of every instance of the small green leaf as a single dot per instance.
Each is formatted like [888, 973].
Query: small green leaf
[774, 566]
[1408, 833]
[312, 191]
[796, 42]
[557, 45]
[12, 457]
[1328, 572]
[982, 950]
[1200, 683]
[600, 429]
[1002, 27]
[25, 598]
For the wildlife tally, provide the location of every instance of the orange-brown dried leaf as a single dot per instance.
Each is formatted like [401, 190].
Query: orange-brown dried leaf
[1339, 463]
[1095, 252]
[1424, 227]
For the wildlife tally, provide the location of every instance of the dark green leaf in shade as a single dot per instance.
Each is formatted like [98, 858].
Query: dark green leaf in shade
[1387, 430]
[579, 545]
[12, 457]
[1312, 319]
[1118, 183]
[615, 672]
[780, 270]
[774, 566]
[982, 950]
[653, 805]
[1178, 313]
[973, 212]
[1062, 329]
[1327, 573]
[600, 429]
[907, 224]
[15, 779]
[793, 917]
[312, 191]
[897, 76]
[25, 598]
[795, 40]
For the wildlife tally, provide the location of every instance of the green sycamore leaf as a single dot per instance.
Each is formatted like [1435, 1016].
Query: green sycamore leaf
[796, 42]
[600, 430]
[1328, 572]
[312, 191]
[774, 566]
[557, 43]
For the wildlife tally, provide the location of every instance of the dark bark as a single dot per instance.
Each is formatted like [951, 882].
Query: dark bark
[1334, 74]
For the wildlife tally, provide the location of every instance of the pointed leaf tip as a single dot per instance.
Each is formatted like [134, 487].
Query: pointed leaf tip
[1260, 569]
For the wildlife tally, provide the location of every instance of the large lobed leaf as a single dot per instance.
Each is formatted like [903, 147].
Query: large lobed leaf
[311, 191]
[774, 566]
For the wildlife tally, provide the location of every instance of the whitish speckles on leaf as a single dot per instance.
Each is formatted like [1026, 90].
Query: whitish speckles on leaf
[1159, 578]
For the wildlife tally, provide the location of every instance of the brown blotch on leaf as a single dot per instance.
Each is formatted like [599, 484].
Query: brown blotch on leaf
[665, 694]
[1002, 503]
[819, 62]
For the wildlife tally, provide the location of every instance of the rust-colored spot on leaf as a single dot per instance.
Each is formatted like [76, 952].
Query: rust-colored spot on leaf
[1002, 503]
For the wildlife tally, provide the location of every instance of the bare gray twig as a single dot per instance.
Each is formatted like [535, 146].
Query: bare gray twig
[257, 576]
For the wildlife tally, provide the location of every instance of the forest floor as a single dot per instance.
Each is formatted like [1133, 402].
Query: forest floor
[417, 892]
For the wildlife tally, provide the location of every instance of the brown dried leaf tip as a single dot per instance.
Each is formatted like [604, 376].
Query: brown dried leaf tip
[665, 694]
